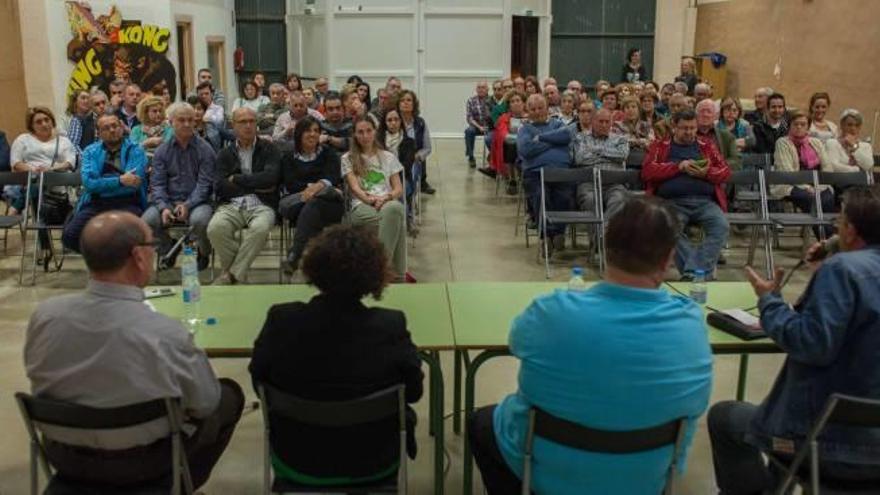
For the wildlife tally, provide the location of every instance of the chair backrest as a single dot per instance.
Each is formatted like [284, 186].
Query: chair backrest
[337, 414]
[844, 179]
[790, 178]
[877, 160]
[757, 160]
[581, 437]
[854, 411]
[574, 175]
[13, 178]
[744, 178]
[60, 413]
[625, 177]
[635, 158]
[69, 179]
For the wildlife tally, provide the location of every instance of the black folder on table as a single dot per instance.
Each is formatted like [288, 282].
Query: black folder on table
[733, 326]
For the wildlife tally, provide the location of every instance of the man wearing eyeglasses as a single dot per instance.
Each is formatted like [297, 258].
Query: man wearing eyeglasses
[246, 186]
[113, 178]
[105, 348]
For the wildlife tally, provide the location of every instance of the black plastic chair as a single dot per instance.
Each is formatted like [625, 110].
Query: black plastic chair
[572, 176]
[815, 219]
[390, 402]
[631, 179]
[841, 181]
[48, 180]
[576, 436]
[840, 410]
[40, 411]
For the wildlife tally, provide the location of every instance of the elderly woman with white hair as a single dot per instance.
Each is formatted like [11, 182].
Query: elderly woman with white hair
[848, 153]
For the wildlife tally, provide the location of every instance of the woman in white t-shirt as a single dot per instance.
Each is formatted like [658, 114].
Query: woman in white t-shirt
[41, 149]
[373, 178]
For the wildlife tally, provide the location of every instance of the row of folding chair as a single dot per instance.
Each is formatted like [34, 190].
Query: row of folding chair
[755, 182]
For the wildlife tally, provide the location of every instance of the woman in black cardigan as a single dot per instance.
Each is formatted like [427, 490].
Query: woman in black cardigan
[311, 178]
[335, 348]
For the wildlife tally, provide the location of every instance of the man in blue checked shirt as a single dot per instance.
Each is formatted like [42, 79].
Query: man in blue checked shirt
[113, 178]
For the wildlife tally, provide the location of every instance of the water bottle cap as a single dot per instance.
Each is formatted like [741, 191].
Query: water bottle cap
[576, 270]
[188, 250]
[211, 321]
[700, 272]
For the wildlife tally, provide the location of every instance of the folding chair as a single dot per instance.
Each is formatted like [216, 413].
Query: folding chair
[574, 217]
[758, 218]
[48, 180]
[842, 180]
[37, 412]
[567, 433]
[839, 410]
[816, 218]
[387, 403]
[606, 178]
[9, 221]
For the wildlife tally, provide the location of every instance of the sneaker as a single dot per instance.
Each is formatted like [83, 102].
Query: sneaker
[472, 162]
[488, 172]
[427, 189]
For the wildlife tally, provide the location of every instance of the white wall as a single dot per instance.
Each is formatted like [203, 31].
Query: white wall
[674, 32]
[46, 32]
[439, 48]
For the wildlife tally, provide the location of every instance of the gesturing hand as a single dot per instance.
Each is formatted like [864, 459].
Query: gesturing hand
[762, 286]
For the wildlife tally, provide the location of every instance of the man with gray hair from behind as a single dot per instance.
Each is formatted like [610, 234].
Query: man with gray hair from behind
[104, 348]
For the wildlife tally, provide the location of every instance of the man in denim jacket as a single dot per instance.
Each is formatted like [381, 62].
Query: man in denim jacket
[832, 338]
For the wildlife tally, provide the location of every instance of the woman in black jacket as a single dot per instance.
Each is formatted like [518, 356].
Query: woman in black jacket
[633, 70]
[334, 348]
[310, 179]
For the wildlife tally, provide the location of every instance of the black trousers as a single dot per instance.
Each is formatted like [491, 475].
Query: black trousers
[151, 464]
[310, 218]
[806, 202]
[73, 229]
[498, 478]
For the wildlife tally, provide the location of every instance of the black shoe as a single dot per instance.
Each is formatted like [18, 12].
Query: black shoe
[203, 261]
[427, 189]
[511, 188]
[472, 162]
[722, 260]
[488, 172]
[289, 266]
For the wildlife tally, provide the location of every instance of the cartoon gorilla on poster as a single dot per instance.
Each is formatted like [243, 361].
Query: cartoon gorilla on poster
[110, 48]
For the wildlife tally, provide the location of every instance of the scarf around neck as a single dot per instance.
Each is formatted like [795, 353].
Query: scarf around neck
[807, 155]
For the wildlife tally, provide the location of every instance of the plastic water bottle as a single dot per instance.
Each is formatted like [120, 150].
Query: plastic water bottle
[576, 282]
[699, 290]
[191, 290]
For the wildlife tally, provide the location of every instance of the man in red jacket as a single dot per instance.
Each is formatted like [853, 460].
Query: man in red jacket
[690, 173]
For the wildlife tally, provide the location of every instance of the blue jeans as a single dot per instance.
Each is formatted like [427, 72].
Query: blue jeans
[470, 135]
[560, 197]
[706, 214]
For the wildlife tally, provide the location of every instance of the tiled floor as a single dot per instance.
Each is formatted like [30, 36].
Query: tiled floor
[467, 235]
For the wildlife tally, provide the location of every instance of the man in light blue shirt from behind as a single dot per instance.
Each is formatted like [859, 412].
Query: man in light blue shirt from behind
[622, 355]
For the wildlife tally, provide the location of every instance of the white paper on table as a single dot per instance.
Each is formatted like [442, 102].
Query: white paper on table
[743, 317]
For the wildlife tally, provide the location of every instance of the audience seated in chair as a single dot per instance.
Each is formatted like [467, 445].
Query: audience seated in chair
[215, 114]
[551, 92]
[731, 121]
[217, 95]
[799, 151]
[286, 122]
[638, 132]
[334, 348]
[567, 113]
[544, 142]
[395, 140]
[80, 128]
[622, 355]
[336, 128]
[127, 110]
[707, 116]
[181, 181]
[831, 338]
[848, 153]
[416, 127]
[311, 180]
[820, 127]
[503, 154]
[664, 128]
[372, 175]
[772, 126]
[153, 129]
[202, 129]
[758, 114]
[477, 116]
[113, 178]
[268, 113]
[251, 96]
[690, 172]
[105, 348]
[606, 150]
[246, 190]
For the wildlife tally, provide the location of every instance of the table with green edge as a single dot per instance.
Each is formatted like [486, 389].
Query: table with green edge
[483, 312]
[241, 310]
